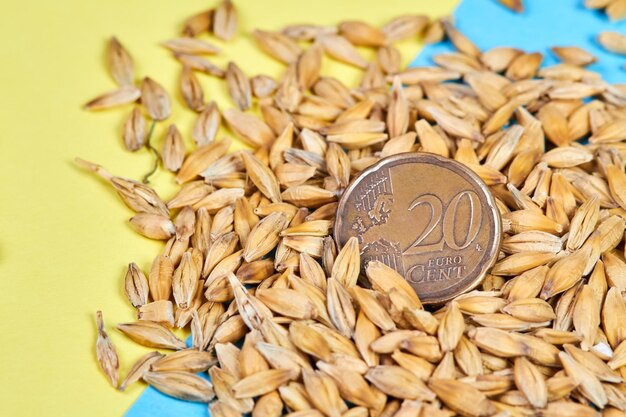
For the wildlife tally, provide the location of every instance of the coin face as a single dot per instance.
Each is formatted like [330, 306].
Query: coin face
[430, 218]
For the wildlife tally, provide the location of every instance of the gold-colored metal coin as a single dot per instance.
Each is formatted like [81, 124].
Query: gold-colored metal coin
[430, 218]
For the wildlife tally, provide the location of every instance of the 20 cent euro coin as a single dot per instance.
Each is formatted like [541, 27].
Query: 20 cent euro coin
[430, 218]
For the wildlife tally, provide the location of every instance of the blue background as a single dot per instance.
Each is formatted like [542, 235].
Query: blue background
[543, 24]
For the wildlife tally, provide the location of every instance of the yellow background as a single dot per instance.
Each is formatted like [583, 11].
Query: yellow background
[64, 238]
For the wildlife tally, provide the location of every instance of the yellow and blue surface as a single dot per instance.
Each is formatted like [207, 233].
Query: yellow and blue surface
[64, 239]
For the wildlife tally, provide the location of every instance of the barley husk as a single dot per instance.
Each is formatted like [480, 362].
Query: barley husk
[225, 20]
[182, 385]
[106, 352]
[151, 334]
[155, 99]
[140, 368]
[462, 398]
[262, 382]
[124, 95]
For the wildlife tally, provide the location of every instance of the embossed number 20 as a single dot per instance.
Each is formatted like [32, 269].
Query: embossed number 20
[449, 216]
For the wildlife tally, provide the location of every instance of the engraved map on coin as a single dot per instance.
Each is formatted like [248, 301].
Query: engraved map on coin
[430, 218]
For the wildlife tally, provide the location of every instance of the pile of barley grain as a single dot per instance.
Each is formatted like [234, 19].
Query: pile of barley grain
[249, 256]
